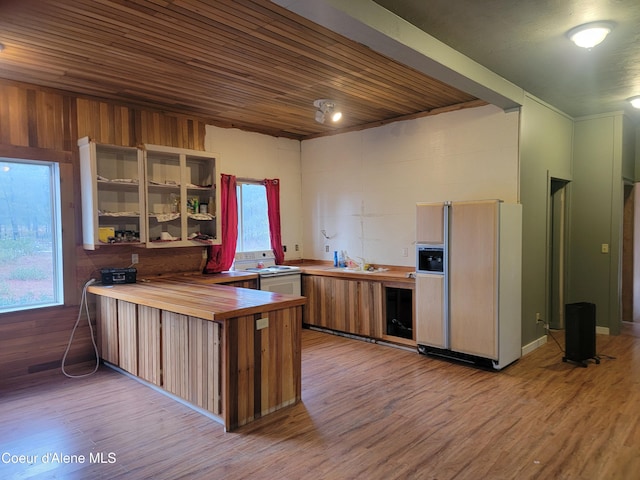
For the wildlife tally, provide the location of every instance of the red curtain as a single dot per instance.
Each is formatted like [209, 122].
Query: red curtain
[273, 211]
[221, 256]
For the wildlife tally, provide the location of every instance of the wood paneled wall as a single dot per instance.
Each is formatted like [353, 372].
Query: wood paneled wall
[41, 123]
[120, 125]
[36, 118]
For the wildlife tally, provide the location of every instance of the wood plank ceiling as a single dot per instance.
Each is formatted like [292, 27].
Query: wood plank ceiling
[248, 64]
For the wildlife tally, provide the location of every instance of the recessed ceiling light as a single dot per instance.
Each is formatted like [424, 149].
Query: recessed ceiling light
[590, 34]
[635, 101]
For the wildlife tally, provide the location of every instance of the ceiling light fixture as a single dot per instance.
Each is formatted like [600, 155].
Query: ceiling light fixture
[590, 34]
[326, 108]
[635, 101]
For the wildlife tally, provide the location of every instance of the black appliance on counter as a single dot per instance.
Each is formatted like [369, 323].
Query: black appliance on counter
[116, 276]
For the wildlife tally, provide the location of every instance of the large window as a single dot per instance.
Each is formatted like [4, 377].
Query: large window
[30, 235]
[253, 221]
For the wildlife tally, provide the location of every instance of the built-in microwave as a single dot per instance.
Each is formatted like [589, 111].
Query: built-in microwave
[430, 258]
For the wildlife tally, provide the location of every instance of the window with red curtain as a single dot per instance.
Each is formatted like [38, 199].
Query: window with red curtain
[220, 257]
[273, 211]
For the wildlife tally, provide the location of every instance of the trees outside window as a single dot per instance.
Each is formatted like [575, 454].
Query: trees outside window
[30, 235]
[253, 221]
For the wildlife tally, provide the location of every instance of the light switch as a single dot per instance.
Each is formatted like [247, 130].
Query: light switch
[605, 248]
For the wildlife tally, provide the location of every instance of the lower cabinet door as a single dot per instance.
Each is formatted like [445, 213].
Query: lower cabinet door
[431, 328]
[351, 306]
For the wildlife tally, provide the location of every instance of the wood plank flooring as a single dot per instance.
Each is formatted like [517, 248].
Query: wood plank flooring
[368, 411]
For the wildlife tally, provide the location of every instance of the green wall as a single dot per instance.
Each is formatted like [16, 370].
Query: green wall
[604, 155]
[546, 137]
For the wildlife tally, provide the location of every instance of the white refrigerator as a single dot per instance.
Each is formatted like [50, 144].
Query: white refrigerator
[471, 310]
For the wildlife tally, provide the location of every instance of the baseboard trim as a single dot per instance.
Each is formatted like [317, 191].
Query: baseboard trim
[534, 345]
[530, 347]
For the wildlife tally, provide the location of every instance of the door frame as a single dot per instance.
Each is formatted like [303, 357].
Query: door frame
[554, 185]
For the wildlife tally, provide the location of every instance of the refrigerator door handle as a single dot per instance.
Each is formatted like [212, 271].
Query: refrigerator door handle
[445, 272]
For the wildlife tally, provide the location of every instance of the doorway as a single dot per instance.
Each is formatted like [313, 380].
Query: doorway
[557, 251]
[628, 253]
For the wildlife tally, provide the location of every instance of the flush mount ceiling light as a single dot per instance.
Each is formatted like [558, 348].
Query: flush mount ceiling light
[590, 34]
[326, 108]
[635, 101]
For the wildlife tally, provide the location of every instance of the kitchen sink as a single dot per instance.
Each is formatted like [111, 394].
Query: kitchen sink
[356, 270]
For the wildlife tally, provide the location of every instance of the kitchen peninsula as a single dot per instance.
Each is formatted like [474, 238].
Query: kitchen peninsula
[233, 352]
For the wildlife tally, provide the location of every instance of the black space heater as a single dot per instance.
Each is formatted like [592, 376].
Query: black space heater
[580, 333]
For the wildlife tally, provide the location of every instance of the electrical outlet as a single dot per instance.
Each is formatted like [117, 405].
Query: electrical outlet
[538, 318]
[134, 258]
[405, 252]
[326, 248]
[297, 247]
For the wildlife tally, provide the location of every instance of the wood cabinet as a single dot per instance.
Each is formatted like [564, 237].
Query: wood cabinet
[155, 196]
[233, 352]
[112, 184]
[345, 305]
[251, 283]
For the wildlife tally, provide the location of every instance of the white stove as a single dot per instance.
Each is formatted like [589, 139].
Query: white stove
[274, 270]
[272, 277]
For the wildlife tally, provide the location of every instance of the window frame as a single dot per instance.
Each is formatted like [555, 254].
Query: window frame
[239, 196]
[56, 225]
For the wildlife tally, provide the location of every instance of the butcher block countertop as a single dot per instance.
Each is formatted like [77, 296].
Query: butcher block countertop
[389, 274]
[204, 279]
[198, 297]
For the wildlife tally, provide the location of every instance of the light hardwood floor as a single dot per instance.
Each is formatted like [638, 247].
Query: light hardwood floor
[368, 412]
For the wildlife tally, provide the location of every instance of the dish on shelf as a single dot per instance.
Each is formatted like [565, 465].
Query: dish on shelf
[117, 180]
[118, 214]
[168, 183]
[201, 216]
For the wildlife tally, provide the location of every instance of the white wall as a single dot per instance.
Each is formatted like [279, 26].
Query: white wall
[362, 187]
[257, 156]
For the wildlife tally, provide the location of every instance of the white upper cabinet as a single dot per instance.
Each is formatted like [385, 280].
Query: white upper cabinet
[112, 188]
[182, 197]
[155, 196]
